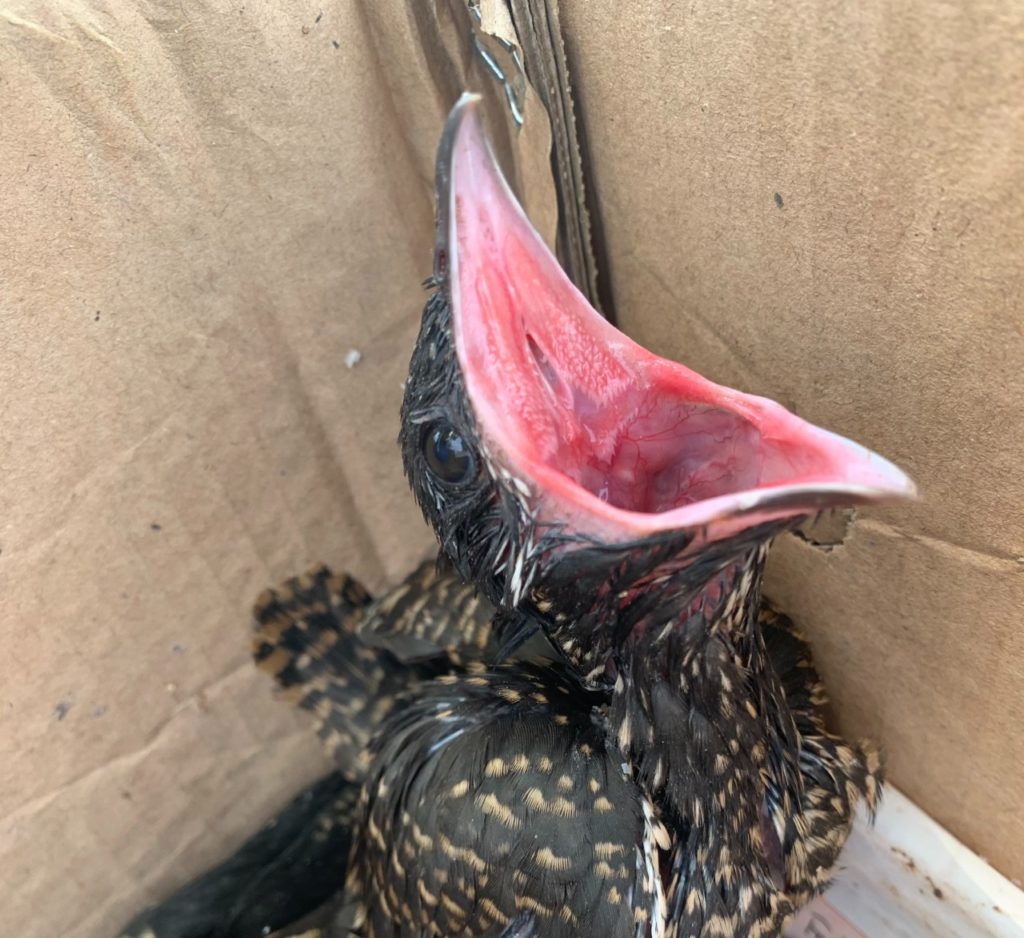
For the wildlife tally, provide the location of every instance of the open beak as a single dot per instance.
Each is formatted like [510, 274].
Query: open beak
[612, 441]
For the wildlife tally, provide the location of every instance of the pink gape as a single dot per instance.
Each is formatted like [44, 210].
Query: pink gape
[613, 440]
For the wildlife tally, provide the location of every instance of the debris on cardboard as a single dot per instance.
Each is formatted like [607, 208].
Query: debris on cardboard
[827, 530]
[824, 206]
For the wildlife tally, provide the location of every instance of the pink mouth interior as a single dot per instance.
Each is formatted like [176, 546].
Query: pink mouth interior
[640, 433]
[642, 447]
[603, 427]
[666, 454]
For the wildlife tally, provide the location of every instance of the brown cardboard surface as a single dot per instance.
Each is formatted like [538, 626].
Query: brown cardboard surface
[824, 203]
[206, 207]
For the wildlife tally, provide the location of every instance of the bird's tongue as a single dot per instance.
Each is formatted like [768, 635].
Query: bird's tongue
[611, 439]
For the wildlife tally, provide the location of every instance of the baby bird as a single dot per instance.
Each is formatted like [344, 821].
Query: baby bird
[622, 738]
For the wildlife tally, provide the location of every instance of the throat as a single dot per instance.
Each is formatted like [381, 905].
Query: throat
[701, 717]
[707, 602]
[686, 664]
[696, 707]
[656, 599]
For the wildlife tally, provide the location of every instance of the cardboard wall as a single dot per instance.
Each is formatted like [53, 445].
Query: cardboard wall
[824, 203]
[206, 206]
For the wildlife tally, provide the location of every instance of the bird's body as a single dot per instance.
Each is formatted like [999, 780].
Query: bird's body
[488, 791]
[492, 790]
[661, 767]
[618, 806]
[498, 792]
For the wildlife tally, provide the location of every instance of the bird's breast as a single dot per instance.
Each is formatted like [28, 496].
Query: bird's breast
[495, 793]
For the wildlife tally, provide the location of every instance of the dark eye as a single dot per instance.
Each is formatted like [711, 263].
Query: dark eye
[448, 455]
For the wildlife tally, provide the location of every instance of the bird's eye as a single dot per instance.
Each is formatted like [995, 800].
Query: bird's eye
[448, 455]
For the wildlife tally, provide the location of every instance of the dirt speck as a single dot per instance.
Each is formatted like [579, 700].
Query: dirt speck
[905, 858]
[61, 710]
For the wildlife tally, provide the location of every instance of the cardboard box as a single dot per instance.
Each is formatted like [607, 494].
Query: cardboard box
[207, 207]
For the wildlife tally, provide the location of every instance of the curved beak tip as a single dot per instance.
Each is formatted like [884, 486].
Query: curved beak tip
[892, 483]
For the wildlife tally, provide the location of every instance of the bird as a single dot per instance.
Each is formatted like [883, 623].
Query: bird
[663, 768]
[623, 505]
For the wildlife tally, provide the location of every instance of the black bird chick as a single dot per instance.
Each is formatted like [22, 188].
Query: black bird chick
[671, 774]
[624, 505]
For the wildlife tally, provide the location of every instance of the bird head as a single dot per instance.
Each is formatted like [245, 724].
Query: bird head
[556, 459]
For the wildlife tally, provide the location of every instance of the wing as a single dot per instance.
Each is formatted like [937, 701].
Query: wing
[431, 611]
[835, 774]
[280, 875]
[307, 638]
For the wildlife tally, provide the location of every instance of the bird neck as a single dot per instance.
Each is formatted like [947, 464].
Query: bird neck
[691, 651]
[700, 714]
